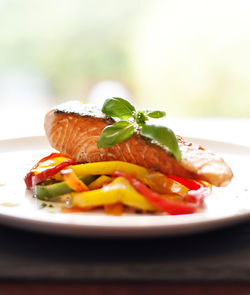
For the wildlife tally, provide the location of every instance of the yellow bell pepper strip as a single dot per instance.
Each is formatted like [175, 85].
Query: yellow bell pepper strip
[166, 205]
[108, 167]
[162, 184]
[73, 181]
[119, 190]
[114, 209]
[100, 182]
[158, 181]
[46, 168]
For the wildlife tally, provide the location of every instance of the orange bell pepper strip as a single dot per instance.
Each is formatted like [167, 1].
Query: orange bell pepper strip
[114, 209]
[73, 181]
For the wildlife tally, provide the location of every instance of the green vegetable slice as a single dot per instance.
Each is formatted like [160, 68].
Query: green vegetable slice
[46, 192]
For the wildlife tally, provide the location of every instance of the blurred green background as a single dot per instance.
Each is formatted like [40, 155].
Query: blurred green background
[188, 57]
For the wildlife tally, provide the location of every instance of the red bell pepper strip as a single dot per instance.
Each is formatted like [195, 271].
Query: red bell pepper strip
[198, 189]
[166, 205]
[34, 176]
[191, 184]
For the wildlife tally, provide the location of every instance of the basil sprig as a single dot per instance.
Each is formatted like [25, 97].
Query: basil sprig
[122, 130]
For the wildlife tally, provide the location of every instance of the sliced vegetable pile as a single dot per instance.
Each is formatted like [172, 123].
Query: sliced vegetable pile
[115, 186]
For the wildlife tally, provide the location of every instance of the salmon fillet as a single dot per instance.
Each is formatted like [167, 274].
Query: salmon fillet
[73, 128]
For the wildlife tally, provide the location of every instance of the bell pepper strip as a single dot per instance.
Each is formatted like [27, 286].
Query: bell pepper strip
[73, 181]
[158, 181]
[190, 184]
[204, 183]
[100, 182]
[108, 167]
[44, 191]
[162, 184]
[166, 205]
[114, 209]
[46, 168]
[75, 209]
[119, 190]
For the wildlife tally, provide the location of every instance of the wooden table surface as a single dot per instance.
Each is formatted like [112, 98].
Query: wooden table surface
[205, 263]
[39, 288]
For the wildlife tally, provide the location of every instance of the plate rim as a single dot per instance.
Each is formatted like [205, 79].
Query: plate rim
[152, 230]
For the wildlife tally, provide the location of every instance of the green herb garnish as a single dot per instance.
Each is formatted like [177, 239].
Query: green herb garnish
[163, 136]
[115, 133]
[122, 130]
[118, 107]
[155, 114]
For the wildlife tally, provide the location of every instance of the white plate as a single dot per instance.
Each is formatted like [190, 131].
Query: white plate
[17, 207]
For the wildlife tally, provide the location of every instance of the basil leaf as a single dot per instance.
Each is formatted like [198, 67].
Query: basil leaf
[118, 107]
[115, 133]
[156, 114]
[163, 136]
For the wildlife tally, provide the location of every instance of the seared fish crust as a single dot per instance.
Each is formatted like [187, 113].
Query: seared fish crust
[74, 128]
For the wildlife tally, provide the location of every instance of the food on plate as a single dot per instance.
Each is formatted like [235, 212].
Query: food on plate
[74, 129]
[115, 159]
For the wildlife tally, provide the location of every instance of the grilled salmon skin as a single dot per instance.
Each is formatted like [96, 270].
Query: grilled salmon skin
[73, 128]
